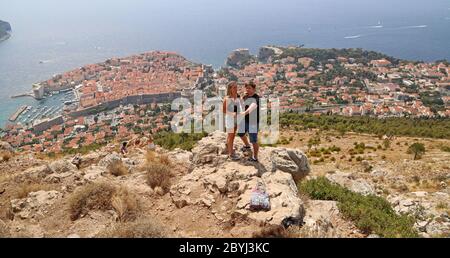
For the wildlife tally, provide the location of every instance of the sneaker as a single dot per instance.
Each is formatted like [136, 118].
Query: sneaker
[253, 160]
[234, 157]
[246, 148]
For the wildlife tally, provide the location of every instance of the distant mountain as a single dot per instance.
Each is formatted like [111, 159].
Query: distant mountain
[5, 30]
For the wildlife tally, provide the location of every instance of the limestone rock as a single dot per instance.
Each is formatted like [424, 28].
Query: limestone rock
[4, 230]
[181, 156]
[318, 217]
[210, 150]
[35, 205]
[62, 166]
[268, 52]
[110, 158]
[431, 220]
[239, 57]
[348, 181]
[291, 161]
[94, 172]
[4, 146]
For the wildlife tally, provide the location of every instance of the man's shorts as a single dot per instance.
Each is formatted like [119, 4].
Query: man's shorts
[252, 132]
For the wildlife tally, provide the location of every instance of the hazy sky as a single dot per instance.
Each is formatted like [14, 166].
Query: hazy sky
[175, 11]
[53, 36]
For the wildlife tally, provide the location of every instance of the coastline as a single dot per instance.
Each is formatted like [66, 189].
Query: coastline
[6, 37]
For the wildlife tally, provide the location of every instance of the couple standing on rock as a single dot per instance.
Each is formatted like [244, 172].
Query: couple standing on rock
[242, 117]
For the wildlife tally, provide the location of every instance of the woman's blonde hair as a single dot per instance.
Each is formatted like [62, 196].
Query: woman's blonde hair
[230, 84]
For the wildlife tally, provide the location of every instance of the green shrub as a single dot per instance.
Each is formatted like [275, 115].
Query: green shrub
[401, 126]
[417, 149]
[371, 214]
[445, 148]
[170, 140]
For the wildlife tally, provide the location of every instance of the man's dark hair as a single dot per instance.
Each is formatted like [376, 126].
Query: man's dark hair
[251, 84]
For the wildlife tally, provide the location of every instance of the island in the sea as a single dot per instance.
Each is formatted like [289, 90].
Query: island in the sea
[5, 30]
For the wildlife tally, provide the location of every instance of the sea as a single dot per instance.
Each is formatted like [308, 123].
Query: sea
[53, 36]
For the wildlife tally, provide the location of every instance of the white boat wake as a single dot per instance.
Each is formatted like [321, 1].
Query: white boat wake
[353, 37]
[414, 27]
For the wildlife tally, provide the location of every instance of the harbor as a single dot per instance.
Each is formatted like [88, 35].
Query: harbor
[16, 114]
[47, 108]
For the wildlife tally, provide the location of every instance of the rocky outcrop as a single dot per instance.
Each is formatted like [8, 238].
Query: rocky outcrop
[35, 205]
[214, 177]
[5, 30]
[319, 217]
[349, 181]
[4, 146]
[109, 159]
[429, 210]
[267, 53]
[291, 161]
[239, 58]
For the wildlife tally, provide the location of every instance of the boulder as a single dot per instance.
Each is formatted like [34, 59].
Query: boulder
[37, 172]
[4, 146]
[62, 166]
[206, 186]
[181, 156]
[348, 181]
[110, 158]
[319, 217]
[291, 161]
[210, 150]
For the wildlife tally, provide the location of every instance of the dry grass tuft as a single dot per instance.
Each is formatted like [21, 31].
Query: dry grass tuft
[5, 156]
[142, 228]
[158, 169]
[117, 168]
[96, 196]
[272, 231]
[24, 189]
[158, 175]
[103, 196]
[165, 160]
[152, 157]
[126, 205]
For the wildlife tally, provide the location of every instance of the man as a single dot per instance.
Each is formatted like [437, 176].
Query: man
[251, 124]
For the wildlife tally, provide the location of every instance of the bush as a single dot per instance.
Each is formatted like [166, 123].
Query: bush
[5, 156]
[170, 140]
[371, 214]
[28, 187]
[103, 196]
[125, 204]
[158, 175]
[445, 148]
[418, 149]
[413, 127]
[117, 168]
[96, 196]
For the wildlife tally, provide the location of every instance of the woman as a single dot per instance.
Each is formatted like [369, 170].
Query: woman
[231, 107]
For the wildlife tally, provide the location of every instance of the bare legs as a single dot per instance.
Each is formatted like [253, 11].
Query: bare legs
[255, 150]
[245, 140]
[230, 143]
[255, 146]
